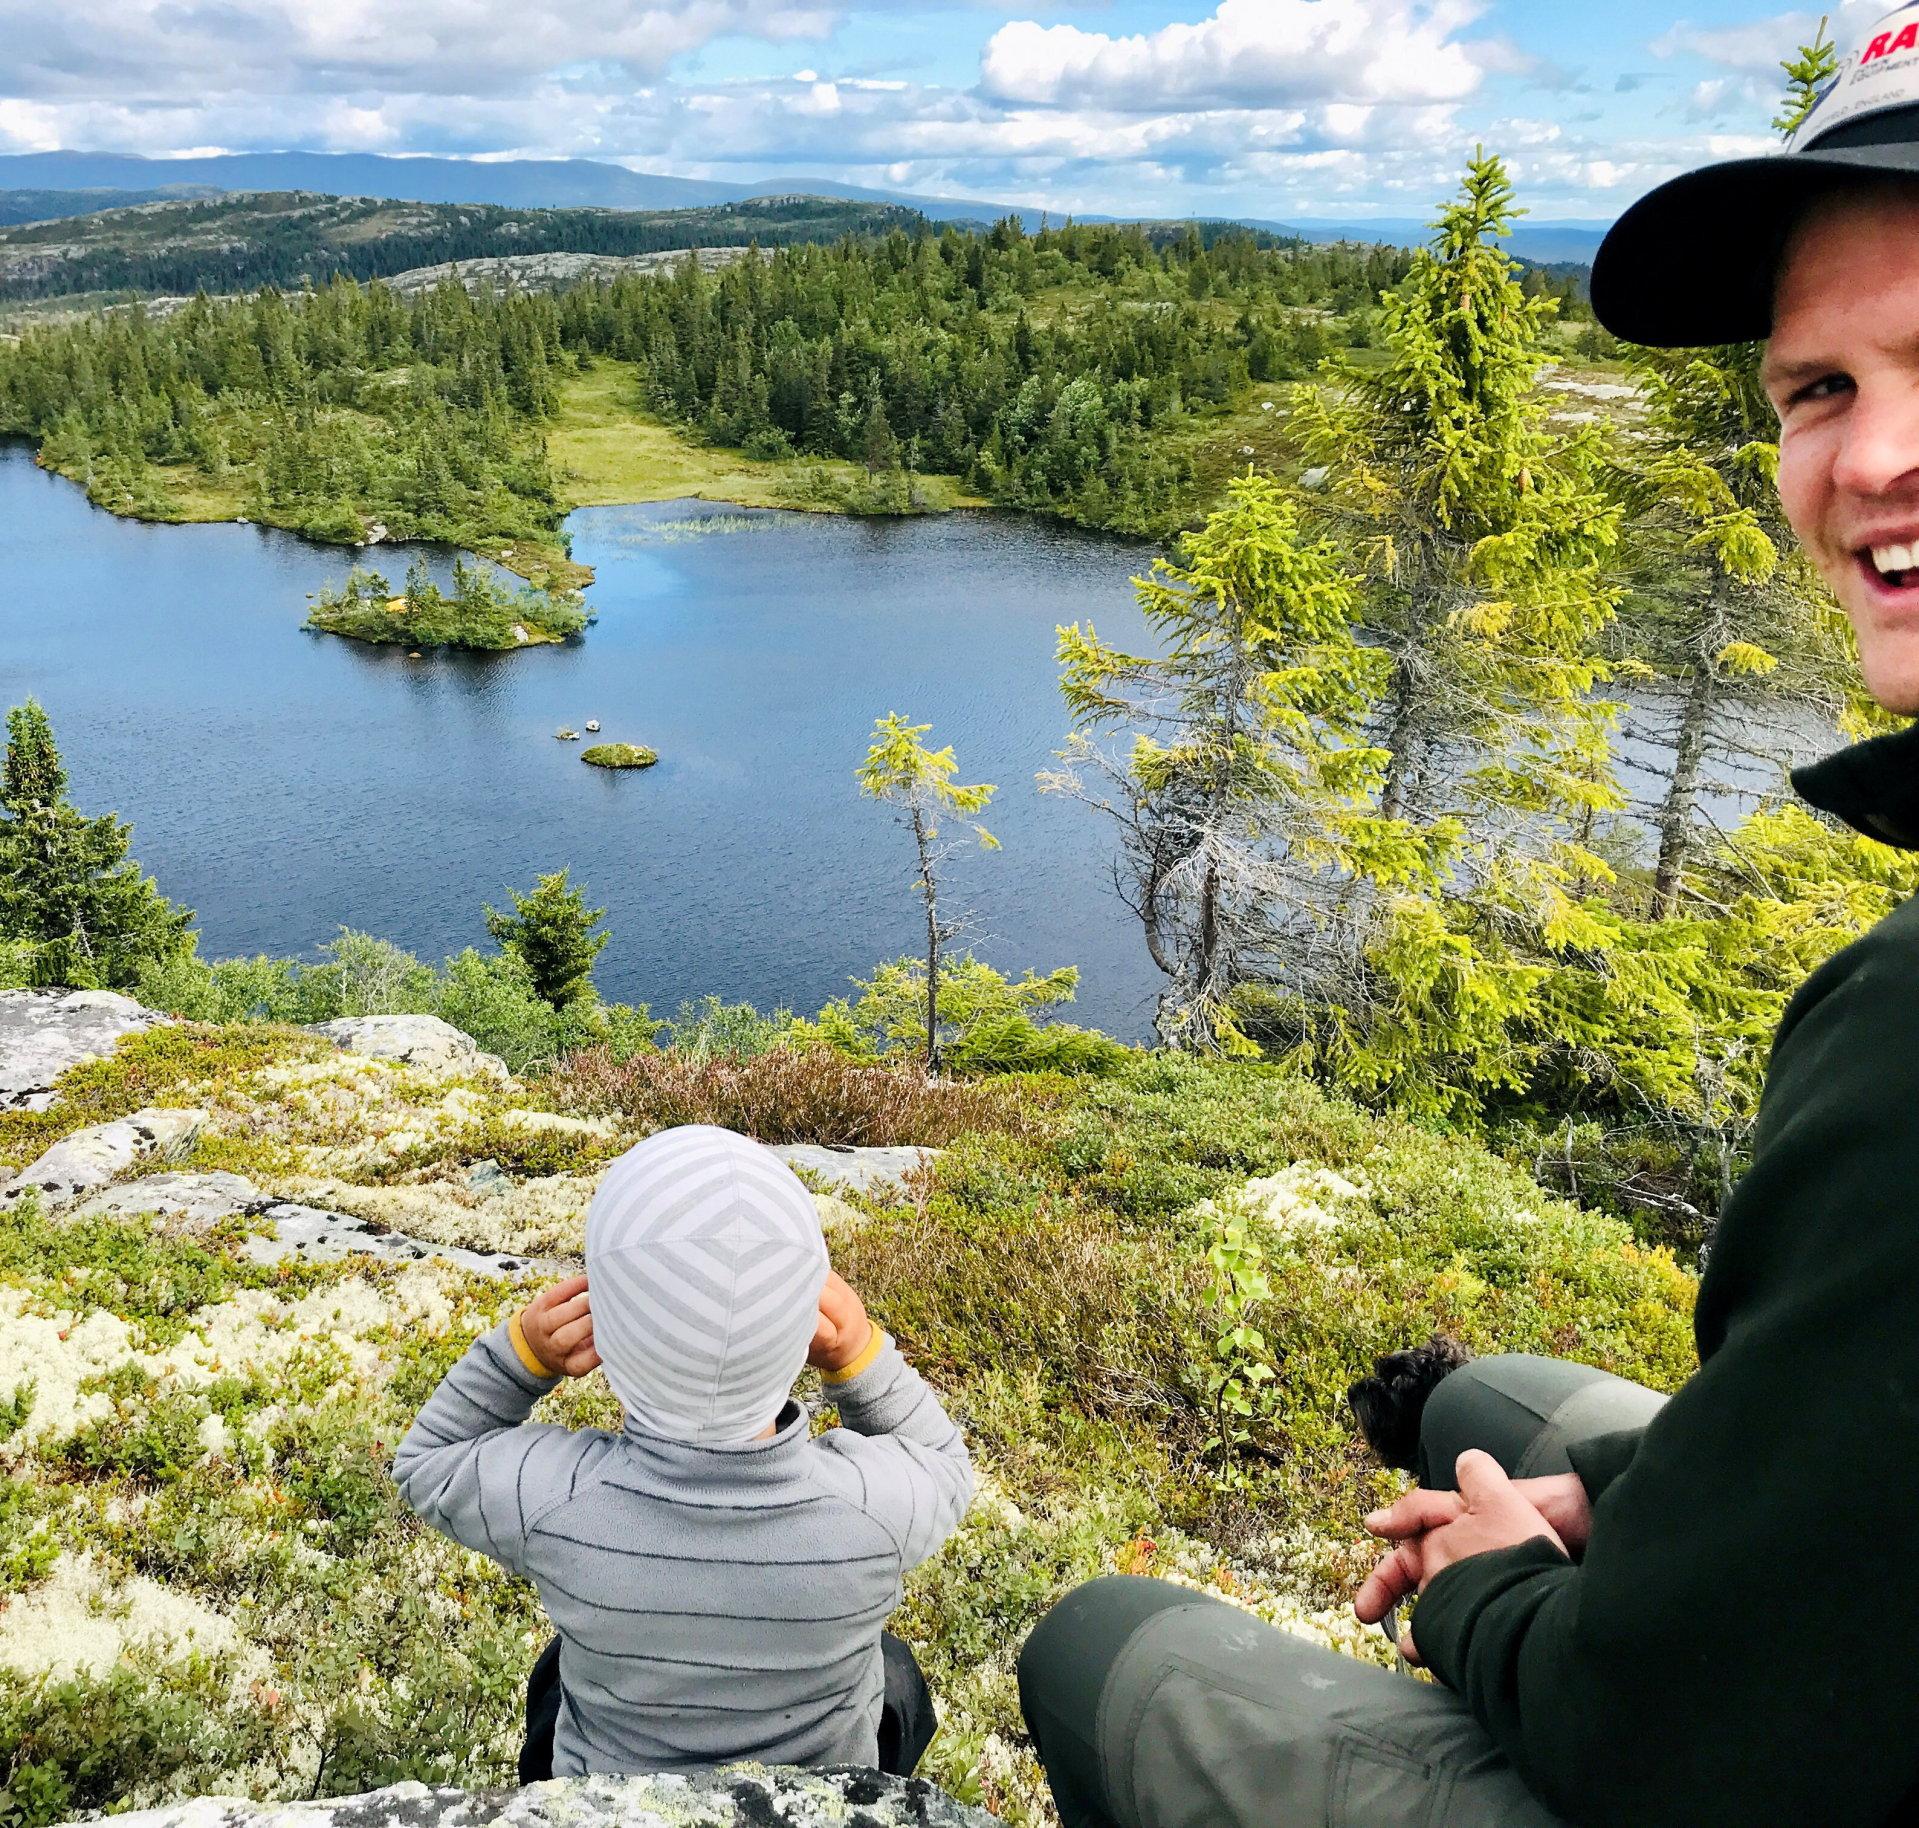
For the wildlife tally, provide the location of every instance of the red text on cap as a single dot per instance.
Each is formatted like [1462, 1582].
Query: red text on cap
[1887, 43]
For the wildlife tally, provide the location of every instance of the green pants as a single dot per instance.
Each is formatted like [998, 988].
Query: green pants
[1156, 1707]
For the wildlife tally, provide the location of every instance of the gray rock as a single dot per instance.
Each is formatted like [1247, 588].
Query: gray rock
[423, 1041]
[43, 1032]
[198, 1202]
[857, 1170]
[721, 1796]
[488, 1177]
[90, 1158]
[317, 1236]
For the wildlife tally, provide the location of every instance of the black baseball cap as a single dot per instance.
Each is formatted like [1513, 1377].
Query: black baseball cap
[1694, 261]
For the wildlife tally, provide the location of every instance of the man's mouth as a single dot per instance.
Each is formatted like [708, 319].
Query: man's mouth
[1893, 567]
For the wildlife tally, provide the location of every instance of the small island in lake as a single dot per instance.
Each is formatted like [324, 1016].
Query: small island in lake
[479, 612]
[619, 755]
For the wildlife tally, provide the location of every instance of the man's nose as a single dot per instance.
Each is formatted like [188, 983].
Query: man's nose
[1880, 449]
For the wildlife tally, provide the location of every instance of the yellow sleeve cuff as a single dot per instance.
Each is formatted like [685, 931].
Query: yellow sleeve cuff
[528, 1357]
[846, 1373]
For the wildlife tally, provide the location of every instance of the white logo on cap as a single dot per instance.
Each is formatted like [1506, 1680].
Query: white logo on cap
[1882, 73]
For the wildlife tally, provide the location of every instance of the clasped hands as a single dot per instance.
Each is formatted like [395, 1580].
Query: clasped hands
[557, 1325]
[1431, 1530]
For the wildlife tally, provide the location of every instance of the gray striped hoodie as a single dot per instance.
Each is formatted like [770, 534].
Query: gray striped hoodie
[712, 1601]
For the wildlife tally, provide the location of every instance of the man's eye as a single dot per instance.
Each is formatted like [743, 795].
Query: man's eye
[1827, 387]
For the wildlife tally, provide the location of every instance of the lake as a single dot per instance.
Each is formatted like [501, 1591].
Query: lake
[283, 783]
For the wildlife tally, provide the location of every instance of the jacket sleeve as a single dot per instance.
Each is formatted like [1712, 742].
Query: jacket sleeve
[913, 1471]
[1736, 1644]
[471, 1465]
[1599, 1461]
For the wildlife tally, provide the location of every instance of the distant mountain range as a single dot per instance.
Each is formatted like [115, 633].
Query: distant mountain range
[588, 183]
[239, 241]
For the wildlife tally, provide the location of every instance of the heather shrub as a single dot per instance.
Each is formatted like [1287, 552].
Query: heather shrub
[784, 1095]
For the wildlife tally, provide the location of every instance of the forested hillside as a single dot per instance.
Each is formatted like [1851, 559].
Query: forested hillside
[242, 242]
[47, 205]
[1071, 372]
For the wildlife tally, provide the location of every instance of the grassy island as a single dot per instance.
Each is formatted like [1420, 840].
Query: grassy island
[478, 613]
[619, 755]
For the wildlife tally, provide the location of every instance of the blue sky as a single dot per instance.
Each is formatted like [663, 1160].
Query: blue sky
[1279, 108]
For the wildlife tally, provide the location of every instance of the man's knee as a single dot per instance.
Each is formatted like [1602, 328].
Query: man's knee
[1524, 1410]
[1064, 1667]
[1066, 1657]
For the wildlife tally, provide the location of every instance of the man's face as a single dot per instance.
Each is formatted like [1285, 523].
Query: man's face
[1842, 370]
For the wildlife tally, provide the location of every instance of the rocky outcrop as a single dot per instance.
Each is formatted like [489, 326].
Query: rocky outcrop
[93, 1157]
[881, 1171]
[197, 1202]
[43, 1032]
[423, 1041]
[724, 1796]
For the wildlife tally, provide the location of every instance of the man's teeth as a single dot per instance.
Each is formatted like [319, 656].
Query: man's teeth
[1893, 561]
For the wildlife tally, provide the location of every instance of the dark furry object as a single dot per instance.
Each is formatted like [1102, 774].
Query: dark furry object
[1389, 1404]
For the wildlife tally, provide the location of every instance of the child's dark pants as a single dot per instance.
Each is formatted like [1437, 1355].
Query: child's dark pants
[907, 1717]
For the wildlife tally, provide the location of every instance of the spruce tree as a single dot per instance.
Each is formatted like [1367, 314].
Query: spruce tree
[1485, 534]
[68, 892]
[1243, 780]
[900, 771]
[551, 931]
[1728, 611]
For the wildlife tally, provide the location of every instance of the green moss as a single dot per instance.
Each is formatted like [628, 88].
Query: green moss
[1052, 1282]
[159, 1066]
[619, 755]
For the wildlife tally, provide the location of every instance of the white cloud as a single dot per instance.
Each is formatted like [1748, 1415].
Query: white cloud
[166, 50]
[1268, 53]
[1758, 47]
[1272, 108]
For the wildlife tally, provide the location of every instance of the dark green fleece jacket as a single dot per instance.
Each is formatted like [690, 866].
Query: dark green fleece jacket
[1740, 1643]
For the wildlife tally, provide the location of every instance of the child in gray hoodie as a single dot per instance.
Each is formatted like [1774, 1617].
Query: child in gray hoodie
[717, 1574]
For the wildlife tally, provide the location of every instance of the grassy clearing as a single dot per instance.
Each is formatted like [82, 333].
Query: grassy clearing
[607, 450]
[207, 1583]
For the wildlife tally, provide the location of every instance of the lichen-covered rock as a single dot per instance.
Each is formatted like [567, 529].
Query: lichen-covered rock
[43, 1032]
[316, 1236]
[881, 1171]
[92, 1157]
[423, 1041]
[724, 1796]
[196, 1202]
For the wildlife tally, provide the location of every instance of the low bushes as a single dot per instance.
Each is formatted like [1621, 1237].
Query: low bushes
[783, 1095]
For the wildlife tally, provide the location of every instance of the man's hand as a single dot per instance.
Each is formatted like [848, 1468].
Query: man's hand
[1432, 1530]
[844, 1331]
[557, 1325]
[1560, 1498]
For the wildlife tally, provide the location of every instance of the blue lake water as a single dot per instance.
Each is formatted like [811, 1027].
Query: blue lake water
[283, 783]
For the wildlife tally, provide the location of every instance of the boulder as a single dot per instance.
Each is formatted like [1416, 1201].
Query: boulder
[43, 1032]
[423, 1041]
[195, 1202]
[90, 1158]
[882, 1171]
[721, 1796]
[198, 1202]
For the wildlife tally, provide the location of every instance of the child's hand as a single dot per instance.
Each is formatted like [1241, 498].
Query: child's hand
[558, 1326]
[844, 1331]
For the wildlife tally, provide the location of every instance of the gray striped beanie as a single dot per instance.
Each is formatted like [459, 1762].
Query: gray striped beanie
[705, 1260]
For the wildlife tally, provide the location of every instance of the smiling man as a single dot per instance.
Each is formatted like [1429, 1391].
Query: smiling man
[1698, 1612]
